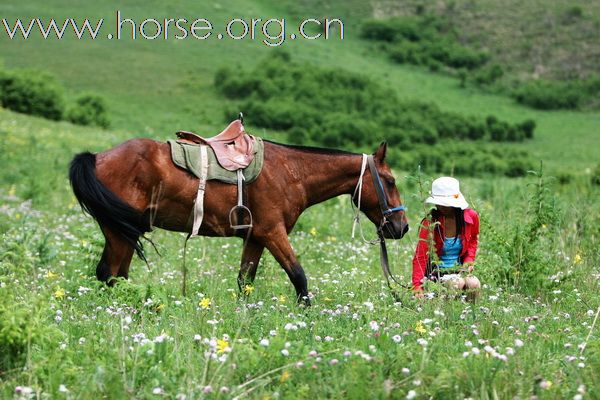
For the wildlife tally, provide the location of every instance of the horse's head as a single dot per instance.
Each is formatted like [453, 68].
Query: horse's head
[380, 200]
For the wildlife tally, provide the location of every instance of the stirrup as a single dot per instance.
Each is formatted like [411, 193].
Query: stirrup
[240, 205]
[243, 209]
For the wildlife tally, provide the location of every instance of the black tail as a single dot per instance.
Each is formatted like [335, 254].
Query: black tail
[104, 205]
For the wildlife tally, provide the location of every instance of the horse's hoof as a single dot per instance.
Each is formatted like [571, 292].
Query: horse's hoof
[304, 301]
[111, 281]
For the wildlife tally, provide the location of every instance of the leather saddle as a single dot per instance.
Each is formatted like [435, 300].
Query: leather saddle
[234, 147]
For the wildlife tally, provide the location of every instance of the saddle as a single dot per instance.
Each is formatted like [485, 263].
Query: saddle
[234, 147]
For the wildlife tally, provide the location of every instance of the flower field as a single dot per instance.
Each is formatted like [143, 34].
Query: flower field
[65, 335]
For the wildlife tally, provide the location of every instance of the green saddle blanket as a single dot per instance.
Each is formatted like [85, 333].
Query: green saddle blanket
[187, 156]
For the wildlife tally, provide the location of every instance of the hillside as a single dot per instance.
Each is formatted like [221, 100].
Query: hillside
[532, 39]
[156, 87]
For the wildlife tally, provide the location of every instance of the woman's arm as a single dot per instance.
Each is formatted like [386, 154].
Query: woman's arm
[421, 257]
[473, 239]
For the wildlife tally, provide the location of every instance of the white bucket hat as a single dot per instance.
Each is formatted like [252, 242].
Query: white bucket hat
[445, 191]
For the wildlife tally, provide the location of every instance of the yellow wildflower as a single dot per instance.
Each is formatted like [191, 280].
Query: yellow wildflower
[160, 307]
[60, 293]
[248, 289]
[578, 258]
[420, 328]
[205, 303]
[313, 231]
[282, 298]
[222, 346]
[51, 275]
[18, 216]
[285, 376]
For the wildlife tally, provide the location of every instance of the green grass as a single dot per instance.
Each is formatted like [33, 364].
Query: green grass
[49, 249]
[94, 344]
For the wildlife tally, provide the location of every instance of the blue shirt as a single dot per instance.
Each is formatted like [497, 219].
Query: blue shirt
[451, 252]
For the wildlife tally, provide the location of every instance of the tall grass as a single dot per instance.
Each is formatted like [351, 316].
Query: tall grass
[63, 334]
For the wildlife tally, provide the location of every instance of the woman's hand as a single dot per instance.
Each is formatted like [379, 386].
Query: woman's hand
[469, 267]
[418, 292]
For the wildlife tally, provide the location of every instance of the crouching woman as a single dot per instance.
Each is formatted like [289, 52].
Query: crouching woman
[455, 231]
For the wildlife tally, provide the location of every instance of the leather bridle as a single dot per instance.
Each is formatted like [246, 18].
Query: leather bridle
[386, 211]
[383, 204]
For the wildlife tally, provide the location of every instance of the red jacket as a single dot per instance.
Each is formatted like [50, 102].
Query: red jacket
[468, 237]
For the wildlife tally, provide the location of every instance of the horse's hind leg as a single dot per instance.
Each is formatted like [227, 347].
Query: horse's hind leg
[250, 258]
[116, 258]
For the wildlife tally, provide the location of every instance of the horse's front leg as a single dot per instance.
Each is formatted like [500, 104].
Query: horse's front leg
[250, 258]
[278, 244]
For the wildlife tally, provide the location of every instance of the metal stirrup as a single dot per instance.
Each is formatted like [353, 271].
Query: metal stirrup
[240, 205]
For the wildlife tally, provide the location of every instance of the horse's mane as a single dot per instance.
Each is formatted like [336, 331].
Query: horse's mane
[314, 150]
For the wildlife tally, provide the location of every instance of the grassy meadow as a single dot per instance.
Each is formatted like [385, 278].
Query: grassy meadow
[533, 333]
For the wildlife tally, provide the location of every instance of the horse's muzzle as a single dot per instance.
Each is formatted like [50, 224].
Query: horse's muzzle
[395, 229]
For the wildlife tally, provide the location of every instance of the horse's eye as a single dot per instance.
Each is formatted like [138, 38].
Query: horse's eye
[391, 181]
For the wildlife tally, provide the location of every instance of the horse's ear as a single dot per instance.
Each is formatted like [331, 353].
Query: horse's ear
[380, 153]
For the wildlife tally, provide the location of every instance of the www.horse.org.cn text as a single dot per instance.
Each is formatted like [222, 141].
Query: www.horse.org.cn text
[271, 32]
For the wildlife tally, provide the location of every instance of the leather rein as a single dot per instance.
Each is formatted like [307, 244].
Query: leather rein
[386, 211]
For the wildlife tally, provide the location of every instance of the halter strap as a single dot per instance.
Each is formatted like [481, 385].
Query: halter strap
[383, 204]
[358, 190]
[385, 210]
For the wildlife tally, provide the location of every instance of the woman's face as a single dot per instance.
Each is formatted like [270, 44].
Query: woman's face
[445, 211]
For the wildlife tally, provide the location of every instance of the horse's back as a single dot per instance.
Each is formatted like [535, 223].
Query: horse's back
[131, 168]
[140, 171]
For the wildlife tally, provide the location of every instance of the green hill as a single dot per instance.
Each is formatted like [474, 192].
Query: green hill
[154, 87]
[533, 39]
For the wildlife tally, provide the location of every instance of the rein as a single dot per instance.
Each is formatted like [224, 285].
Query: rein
[385, 211]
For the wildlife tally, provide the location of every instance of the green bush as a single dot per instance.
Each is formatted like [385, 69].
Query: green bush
[14, 336]
[422, 40]
[89, 109]
[527, 263]
[488, 74]
[517, 166]
[22, 326]
[463, 158]
[549, 95]
[385, 31]
[528, 126]
[31, 92]
[596, 176]
[335, 108]
[571, 15]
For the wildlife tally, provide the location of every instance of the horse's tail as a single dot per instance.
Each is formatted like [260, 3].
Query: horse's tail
[103, 205]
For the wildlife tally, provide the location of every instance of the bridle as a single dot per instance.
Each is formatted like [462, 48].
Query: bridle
[383, 204]
[386, 211]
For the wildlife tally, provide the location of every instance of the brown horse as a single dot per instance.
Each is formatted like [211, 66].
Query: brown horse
[136, 186]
